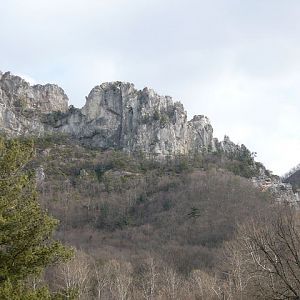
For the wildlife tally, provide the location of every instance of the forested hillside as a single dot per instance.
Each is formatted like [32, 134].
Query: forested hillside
[128, 214]
[181, 210]
[189, 227]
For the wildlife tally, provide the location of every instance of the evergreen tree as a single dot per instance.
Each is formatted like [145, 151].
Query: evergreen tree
[26, 243]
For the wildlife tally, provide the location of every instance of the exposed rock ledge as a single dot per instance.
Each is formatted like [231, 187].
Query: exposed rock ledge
[116, 115]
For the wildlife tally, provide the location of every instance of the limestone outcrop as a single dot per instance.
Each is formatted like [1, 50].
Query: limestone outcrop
[293, 177]
[21, 105]
[282, 192]
[116, 115]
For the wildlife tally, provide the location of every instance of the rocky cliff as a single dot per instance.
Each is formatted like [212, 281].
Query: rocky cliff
[116, 115]
[22, 105]
[282, 191]
[293, 178]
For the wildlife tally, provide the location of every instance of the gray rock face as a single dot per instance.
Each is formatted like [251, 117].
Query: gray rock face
[200, 134]
[21, 104]
[293, 177]
[115, 115]
[282, 192]
[228, 146]
[40, 175]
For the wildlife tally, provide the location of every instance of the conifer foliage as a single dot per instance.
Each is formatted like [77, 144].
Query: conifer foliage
[26, 243]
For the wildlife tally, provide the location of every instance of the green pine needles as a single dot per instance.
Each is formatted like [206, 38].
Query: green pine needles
[26, 243]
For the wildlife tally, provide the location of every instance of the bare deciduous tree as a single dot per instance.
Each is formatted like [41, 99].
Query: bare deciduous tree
[73, 276]
[207, 287]
[149, 279]
[269, 265]
[172, 283]
[121, 279]
[102, 277]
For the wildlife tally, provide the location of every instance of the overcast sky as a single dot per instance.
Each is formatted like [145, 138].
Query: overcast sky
[236, 61]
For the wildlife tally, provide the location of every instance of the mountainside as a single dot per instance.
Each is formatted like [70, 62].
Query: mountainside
[22, 105]
[149, 198]
[115, 115]
[111, 204]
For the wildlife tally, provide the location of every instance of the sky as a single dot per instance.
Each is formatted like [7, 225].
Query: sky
[238, 62]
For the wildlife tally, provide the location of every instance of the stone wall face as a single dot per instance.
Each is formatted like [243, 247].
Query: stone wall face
[21, 104]
[116, 115]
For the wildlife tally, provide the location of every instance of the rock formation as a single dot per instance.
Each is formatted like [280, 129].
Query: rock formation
[22, 105]
[293, 177]
[115, 115]
[282, 192]
[118, 116]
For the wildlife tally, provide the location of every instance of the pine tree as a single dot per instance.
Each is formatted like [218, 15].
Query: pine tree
[26, 243]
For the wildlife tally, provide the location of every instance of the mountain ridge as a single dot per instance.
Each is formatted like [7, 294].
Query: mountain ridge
[115, 115]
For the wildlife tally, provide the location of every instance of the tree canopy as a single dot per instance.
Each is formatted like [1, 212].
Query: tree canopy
[26, 243]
